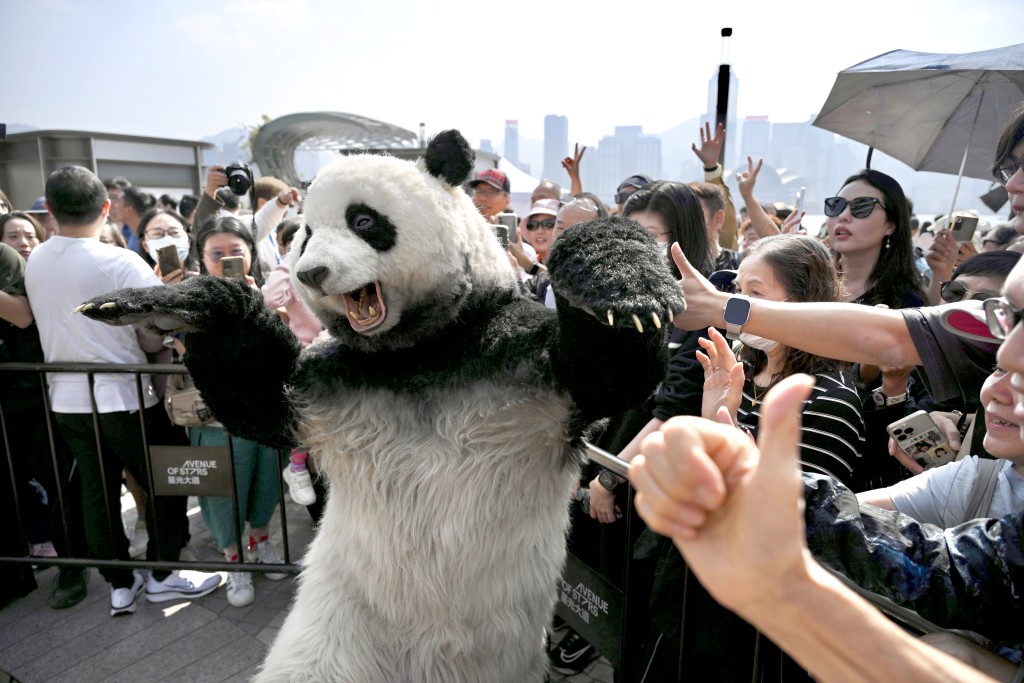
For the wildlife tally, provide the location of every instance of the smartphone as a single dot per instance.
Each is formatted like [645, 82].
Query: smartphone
[800, 199]
[510, 221]
[963, 228]
[918, 435]
[502, 232]
[233, 266]
[167, 259]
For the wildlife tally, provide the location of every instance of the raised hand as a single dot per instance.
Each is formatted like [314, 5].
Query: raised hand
[710, 147]
[723, 377]
[748, 179]
[572, 164]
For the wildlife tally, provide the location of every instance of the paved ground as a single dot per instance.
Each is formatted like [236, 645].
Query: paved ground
[203, 641]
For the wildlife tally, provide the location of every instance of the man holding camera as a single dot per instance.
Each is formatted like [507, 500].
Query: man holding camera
[268, 214]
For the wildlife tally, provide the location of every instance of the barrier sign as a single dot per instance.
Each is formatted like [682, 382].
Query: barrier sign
[592, 606]
[191, 470]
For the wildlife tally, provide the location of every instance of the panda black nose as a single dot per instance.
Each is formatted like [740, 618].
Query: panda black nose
[313, 276]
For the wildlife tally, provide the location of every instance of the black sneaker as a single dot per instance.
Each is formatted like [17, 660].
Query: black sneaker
[68, 587]
[573, 654]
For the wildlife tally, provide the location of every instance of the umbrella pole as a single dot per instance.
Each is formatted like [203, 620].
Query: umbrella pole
[963, 162]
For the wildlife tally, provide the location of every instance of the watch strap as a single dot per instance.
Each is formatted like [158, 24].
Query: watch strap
[881, 399]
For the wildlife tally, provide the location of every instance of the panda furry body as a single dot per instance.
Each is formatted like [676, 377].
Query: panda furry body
[446, 411]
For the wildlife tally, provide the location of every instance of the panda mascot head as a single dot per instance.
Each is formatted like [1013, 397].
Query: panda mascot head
[393, 250]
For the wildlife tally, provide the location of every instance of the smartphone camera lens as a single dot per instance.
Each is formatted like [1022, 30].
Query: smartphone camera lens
[901, 437]
[897, 432]
[910, 430]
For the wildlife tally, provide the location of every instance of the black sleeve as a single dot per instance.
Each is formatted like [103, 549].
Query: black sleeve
[682, 390]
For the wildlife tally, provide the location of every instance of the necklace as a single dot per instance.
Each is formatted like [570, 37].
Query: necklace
[754, 402]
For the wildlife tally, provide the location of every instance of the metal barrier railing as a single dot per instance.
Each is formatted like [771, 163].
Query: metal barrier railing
[152, 489]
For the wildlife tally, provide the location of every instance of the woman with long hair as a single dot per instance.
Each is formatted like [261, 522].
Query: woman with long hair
[788, 268]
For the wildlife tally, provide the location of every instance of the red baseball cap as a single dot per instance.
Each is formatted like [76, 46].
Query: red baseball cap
[493, 177]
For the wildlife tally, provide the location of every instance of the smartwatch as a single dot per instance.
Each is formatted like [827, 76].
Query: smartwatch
[737, 312]
[881, 400]
[607, 480]
[534, 269]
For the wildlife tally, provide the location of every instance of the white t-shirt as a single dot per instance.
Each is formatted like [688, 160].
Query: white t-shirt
[62, 273]
[939, 496]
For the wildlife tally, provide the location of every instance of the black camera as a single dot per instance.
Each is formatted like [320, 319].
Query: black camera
[239, 178]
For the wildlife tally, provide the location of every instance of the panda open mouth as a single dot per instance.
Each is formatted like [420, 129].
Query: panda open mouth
[365, 307]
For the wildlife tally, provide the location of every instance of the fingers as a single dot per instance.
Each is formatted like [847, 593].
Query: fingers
[726, 358]
[685, 269]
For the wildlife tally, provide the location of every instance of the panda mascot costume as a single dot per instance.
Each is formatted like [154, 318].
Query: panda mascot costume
[446, 410]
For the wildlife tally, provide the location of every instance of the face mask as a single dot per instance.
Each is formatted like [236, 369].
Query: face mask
[755, 342]
[181, 243]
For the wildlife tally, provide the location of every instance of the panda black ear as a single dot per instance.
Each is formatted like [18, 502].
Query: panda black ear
[449, 157]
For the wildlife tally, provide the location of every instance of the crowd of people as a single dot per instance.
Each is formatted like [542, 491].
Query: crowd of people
[802, 346]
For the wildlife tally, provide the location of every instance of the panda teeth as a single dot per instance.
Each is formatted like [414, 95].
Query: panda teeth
[373, 312]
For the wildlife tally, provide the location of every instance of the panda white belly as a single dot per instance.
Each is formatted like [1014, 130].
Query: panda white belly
[442, 540]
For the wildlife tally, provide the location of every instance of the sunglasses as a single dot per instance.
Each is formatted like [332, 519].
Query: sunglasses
[547, 225]
[1008, 168]
[952, 291]
[1001, 317]
[861, 207]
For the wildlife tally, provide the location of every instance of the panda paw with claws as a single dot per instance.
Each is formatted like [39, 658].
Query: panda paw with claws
[614, 270]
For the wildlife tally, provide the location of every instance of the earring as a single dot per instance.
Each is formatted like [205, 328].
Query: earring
[887, 241]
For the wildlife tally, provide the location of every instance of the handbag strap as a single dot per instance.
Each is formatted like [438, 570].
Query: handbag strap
[984, 488]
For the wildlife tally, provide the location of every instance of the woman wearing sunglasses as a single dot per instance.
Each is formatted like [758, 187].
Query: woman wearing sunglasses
[979, 278]
[869, 231]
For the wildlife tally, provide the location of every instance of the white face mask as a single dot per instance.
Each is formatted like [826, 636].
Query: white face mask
[755, 342]
[181, 243]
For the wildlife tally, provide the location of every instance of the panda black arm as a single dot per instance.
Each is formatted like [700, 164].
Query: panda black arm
[611, 266]
[239, 352]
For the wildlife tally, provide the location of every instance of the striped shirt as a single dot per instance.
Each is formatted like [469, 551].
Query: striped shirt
[832, 433]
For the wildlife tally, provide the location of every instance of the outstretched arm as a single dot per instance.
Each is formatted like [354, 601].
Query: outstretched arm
[240, 354]
[849, 332]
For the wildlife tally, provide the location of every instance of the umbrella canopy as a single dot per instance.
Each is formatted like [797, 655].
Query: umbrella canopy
[928, 109]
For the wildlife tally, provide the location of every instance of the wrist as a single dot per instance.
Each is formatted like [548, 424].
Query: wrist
[283, 204]
[712, 172]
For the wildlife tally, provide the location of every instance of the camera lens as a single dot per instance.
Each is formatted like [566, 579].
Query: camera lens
[901, 437]
[910, 430]
[897, 431]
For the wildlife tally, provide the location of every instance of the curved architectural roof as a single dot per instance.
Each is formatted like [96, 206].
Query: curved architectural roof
[277, 140]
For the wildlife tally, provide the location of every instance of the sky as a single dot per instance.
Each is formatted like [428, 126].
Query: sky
[189, 69]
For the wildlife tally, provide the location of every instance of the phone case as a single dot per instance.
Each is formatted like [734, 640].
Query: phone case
[233, 266]
[168, 259]
[918, 435]
[964, 227]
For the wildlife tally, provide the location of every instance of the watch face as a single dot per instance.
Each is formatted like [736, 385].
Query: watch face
[737, 310]
[608, 480]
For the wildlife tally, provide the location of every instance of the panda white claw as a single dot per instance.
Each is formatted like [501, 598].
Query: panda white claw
[109, 304]
[656, 320]
[611, 319]
[639, 325]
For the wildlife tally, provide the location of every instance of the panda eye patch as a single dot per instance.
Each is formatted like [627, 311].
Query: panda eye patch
[371, 226]
[309, 233]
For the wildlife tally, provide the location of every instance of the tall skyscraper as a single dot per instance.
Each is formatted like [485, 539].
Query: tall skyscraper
[556, 147]
[512, 141]
[623, 154]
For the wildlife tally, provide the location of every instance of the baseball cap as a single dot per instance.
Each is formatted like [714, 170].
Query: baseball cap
[638, 180]
[38, 206]
[967, 320]
[493, 177]
[548, 207]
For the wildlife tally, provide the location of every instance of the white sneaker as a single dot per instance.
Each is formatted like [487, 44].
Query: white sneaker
[122, 600]
[177, 587]
[266, 553]
[138, 539]
[240, 590]
[300, 486]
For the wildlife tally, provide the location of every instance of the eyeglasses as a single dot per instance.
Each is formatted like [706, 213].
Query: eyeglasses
[157, 233]
[952, 291]
[1008, 168]
[547, 225]
[485, 190]
[861, 207]
[1001, 317]
[217, 254]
